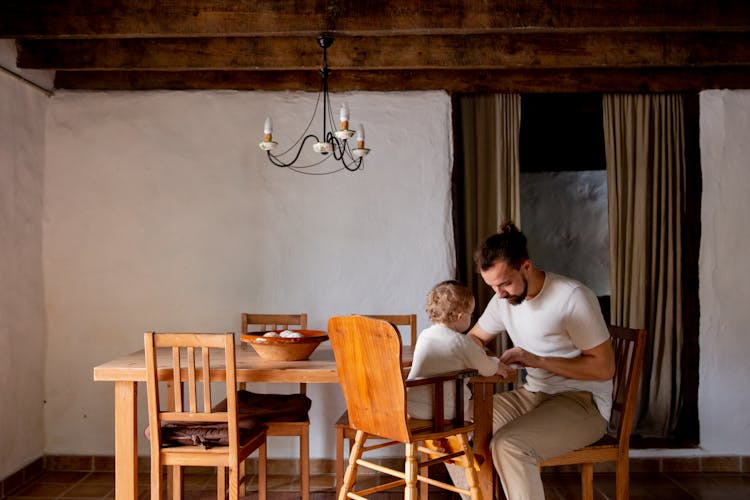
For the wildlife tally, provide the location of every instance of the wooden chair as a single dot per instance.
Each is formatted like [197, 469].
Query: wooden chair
[369, 364]
[629, 345]
[178, 421]
[399, 320]
[343, 429]
[301, 427]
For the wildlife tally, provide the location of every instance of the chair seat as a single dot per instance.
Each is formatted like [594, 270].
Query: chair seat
[200, 449]
[604, 450]
[215, 455]
[607, 440]
[296, 428]
[422, 429]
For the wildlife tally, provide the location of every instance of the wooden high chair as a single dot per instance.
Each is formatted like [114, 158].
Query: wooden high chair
[345, 431]
[369, 364]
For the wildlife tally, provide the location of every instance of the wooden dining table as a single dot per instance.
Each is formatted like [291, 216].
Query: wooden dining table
[128, 371]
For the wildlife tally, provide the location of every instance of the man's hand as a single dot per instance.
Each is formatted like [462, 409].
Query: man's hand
[520, 357]
[597, 363]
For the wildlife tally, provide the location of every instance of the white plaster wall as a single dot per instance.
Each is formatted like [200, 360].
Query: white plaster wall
[724, 401]
[22, 326]
[162, 213]
[564, 217]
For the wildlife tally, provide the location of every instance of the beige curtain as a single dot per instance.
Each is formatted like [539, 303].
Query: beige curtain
[489, 184]
[644, 142]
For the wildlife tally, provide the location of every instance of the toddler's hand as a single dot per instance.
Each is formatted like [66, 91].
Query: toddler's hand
[505, 371]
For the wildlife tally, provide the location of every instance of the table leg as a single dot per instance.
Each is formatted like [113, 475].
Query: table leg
[126, 441]
[339, 465]
[482, 397]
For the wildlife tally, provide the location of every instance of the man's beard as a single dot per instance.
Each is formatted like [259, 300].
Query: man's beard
[514, 300]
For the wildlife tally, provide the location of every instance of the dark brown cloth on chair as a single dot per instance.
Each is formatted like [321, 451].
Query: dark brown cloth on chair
[270, 407]
[252, 410]
[206, 435]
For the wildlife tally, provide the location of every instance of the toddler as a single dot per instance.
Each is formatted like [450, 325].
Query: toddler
[444, 348]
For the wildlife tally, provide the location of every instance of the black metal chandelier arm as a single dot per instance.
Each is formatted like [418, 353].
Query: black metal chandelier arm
[354, 165]
[279, 163]
[301, 170]
[338, 146]
[341, 151]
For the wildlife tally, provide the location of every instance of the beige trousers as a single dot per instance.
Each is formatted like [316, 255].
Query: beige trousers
[533, 426]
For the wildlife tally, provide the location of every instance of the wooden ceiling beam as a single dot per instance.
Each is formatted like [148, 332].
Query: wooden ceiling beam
[518, 80]
[177, 18]
[459, 46]
[529, 50]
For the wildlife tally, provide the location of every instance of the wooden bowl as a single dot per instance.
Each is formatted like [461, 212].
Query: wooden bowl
[285, 348]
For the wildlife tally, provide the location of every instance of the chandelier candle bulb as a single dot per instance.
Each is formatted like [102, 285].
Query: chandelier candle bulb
[268, 129]
[267, 144]
[344, 116]
[360, 150]
[344, 133]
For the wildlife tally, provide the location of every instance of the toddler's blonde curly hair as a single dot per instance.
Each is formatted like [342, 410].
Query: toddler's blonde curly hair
[447, 300]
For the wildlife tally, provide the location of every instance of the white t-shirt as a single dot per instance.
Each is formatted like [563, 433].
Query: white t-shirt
[560, 321]
[440, 350]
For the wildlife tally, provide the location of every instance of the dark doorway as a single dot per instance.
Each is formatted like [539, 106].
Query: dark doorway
[561, 141]
[561, 132]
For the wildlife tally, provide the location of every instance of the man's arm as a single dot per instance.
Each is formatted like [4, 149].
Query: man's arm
[480, 336]
[597, 363]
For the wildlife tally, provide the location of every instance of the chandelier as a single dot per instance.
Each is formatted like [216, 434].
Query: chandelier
[334, 143]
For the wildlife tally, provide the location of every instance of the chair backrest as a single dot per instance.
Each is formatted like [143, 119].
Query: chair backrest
[368, 361]
[252, 322]
[194, 377]
[398, 320]
[629, 345]
[261, 322]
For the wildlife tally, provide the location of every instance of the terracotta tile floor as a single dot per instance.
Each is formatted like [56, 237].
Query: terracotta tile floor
[559, 486]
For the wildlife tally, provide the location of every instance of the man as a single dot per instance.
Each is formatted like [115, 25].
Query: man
[560, 337]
